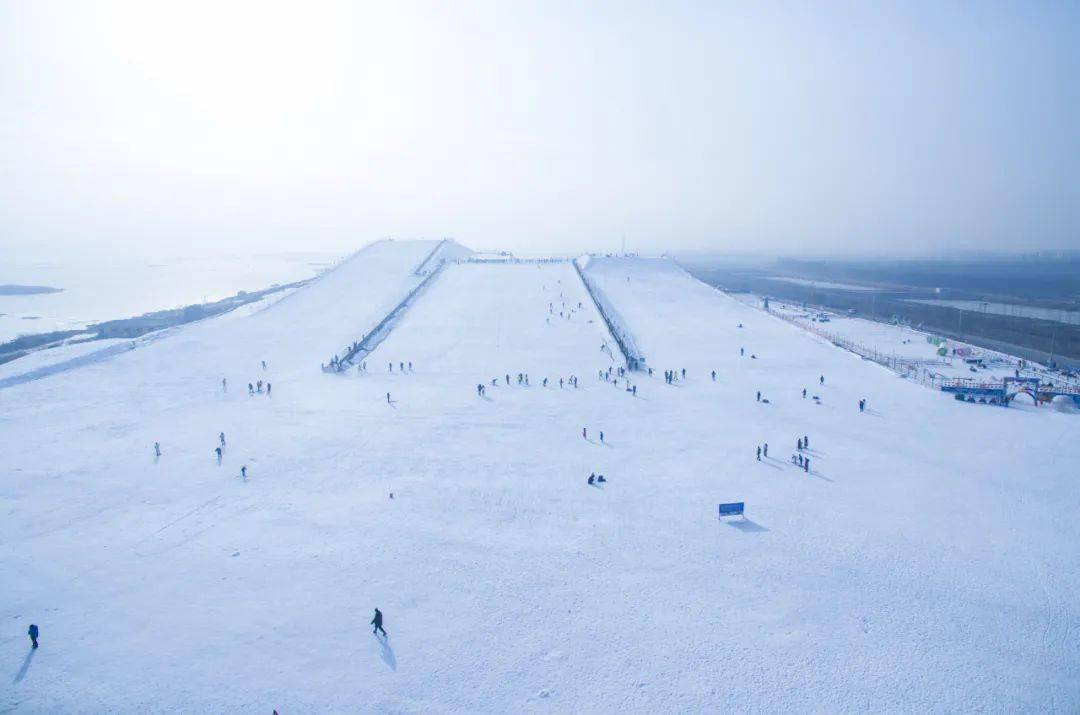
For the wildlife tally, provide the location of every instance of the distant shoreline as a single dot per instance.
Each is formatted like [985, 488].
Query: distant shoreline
[15, 289]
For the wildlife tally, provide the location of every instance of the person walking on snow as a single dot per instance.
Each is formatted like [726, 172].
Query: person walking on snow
[32, 631]
[377, 622]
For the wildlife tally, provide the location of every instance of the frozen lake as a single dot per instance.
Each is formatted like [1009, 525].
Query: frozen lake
[96, 289]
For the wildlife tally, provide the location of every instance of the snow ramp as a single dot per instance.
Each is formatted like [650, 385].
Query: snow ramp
[487, 320]
[616, 325]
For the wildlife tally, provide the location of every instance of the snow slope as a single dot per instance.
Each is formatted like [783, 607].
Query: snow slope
[927, 562]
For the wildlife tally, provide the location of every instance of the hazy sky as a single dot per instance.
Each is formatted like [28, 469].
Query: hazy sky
[207, 127]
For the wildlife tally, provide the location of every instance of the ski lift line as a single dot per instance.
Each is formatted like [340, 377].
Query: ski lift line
[427, 259]
[631, 357]
[371, 341]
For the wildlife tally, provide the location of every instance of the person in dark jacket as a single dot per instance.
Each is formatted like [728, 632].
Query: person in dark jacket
[32, 631]
[377, 622]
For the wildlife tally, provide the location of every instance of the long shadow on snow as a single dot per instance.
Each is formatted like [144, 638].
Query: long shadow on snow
[387, 653]
[25, 666]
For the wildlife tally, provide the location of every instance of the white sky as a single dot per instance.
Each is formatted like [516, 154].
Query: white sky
[869, 127]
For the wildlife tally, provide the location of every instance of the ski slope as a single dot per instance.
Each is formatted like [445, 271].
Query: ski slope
[927, 562]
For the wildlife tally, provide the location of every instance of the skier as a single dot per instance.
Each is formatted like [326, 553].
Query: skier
[251, 389]
[545, 382]
[268, 389]
[243, 472]
[821, 380]
[221, 438]
[798, 444]
[714, 375]
[684, 373]
[759, 395]
[804, 393]
[157, 449]
[410, 366]
[759, 453]
[390, 365]
[479, 390]
[224, 385]
[507, 378]
[388, 398]
[217, 451]
[862, 405]
[601, 436]
[584, 432]
[634, 390]
[32, 631]
[765, 451]
[560, 383]
[601, 479]
[806, 442]
[258, 386]
[806, 465]
[742, 351]
[263, 364]
[592, 478]
[377, 622]
[402, 366]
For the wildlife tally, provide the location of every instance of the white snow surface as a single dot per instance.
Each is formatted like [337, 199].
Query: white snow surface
[927, 563]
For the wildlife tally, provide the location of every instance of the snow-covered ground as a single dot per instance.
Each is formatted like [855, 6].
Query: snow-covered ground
[903, 342]
[927, 561]
[100, 288]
